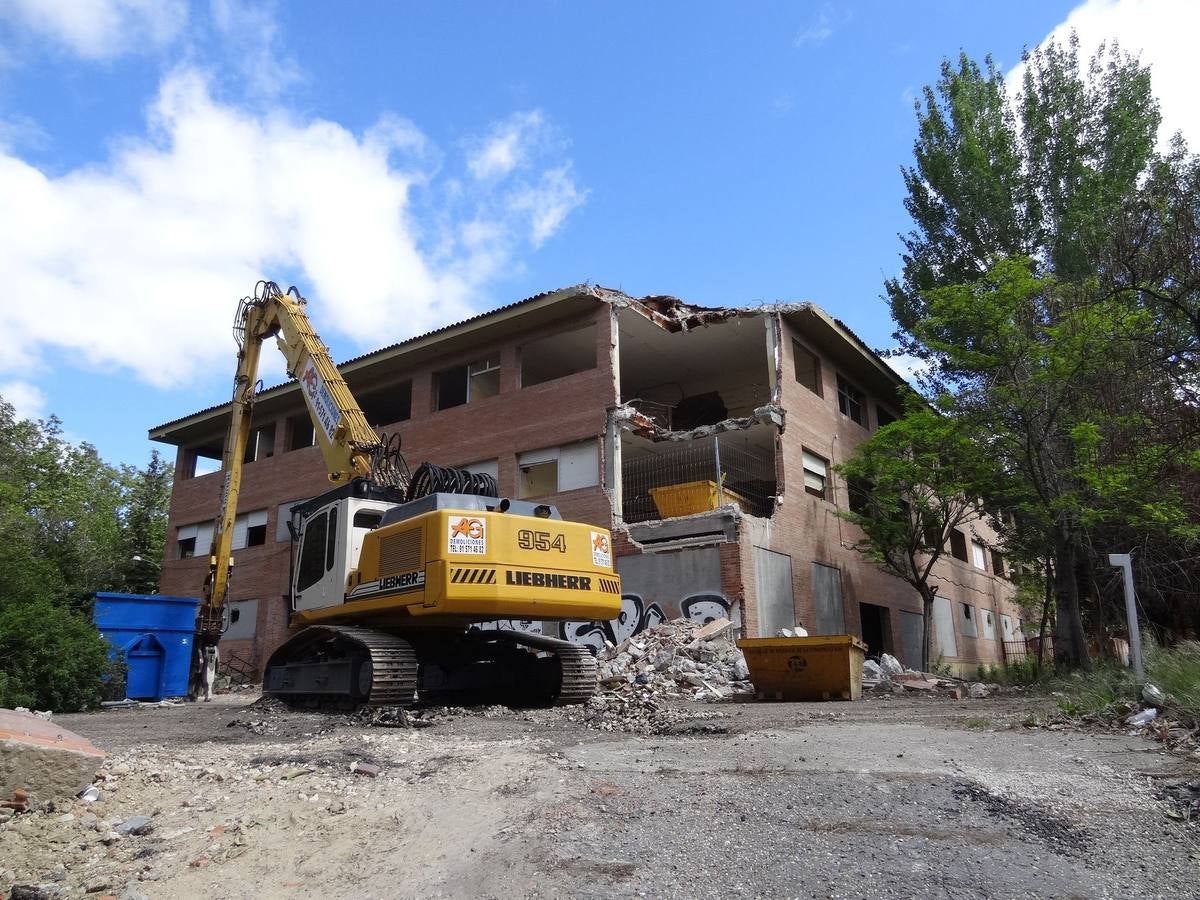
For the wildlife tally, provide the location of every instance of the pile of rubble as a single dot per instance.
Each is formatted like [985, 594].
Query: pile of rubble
[677, 659]
[890, 676]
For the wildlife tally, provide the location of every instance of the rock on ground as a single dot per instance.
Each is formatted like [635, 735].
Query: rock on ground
[43, 758]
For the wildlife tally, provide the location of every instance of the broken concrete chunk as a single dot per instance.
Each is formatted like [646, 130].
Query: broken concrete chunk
[136, 825]
[890, 666]
[364, 768]
[978, 691]
[871, 670]
[712, 629]
[43, 758]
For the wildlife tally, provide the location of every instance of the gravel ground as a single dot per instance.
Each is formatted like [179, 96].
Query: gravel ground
[892, 797]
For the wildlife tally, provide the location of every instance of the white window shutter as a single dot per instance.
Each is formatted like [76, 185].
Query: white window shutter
[578, 466]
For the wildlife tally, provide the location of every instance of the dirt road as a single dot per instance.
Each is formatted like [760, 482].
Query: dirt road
[888, 798]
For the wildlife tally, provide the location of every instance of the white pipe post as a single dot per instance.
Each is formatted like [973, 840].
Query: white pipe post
[1125, 562]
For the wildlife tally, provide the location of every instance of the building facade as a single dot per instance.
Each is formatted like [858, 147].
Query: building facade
[703, 438]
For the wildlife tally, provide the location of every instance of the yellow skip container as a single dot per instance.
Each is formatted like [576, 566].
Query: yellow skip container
[828, 667]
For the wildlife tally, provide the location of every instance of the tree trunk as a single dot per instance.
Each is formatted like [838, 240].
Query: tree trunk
[927, 597]
[1046, 600]
[1070, 643]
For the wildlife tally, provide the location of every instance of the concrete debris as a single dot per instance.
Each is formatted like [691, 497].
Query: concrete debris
[872, 671]
[678, 659]
[978, 691]
[43, 714]
[638, 709]
[1153, 696]
[891, 666]
[43, 759]
[135, 825]
[792, 632]
[363, 768]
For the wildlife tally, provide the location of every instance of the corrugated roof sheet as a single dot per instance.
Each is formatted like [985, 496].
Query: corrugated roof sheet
[570, 291]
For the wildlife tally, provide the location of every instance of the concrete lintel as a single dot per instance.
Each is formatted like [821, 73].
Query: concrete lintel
[627, 418]
[719, 526]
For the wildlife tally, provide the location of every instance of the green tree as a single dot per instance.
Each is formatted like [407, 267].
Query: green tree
[147, 494]
[69, 527]
[912, 483]
[1051, 281]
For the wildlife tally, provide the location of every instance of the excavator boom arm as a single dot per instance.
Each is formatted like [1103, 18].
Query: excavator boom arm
[347, 442]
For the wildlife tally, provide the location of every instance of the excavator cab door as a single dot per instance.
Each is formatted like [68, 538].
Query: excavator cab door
[330, 542]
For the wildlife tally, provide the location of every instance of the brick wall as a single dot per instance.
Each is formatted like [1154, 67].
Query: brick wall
[809, 530]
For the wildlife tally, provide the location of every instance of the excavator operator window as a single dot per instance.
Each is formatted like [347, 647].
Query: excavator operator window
[331, 542]
[312, 553]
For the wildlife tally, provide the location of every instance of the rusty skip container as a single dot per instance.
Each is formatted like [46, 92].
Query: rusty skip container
[828, 667]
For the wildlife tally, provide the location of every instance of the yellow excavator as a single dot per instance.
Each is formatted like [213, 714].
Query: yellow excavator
[394, 571]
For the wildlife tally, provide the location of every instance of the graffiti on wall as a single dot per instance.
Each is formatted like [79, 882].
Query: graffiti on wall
[637, 615]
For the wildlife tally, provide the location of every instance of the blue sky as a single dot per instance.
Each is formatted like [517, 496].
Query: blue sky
[409, 164]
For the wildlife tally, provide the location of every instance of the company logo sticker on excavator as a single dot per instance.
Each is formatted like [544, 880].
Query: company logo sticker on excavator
[468, 535]
[601, 551]
[324, 407]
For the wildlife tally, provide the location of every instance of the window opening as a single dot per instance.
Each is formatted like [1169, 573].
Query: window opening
[958, 545]
[998, 564]
[261, 444]
[860, 490]
[366, 518]
[883, 416]
[808, 367]
[851, 401]
[387, 406]
[558, 355]
[300, 432]
[816, 475]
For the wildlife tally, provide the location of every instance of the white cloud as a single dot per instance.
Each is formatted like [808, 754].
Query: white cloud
[250, 34]
[508, 145]
[823, 25]
[27, 399]
[910, 368]
[99, 29]
[1161, 33]
[136, 263]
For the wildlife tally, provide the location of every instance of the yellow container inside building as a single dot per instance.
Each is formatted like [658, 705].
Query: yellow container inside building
[828, 667]
[694, 497]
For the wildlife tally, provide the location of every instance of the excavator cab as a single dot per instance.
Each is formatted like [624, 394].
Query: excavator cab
[328, 534]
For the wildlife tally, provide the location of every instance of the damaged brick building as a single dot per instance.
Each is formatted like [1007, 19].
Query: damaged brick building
[703, 437]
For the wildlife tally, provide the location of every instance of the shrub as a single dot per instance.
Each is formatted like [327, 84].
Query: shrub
[1176, 670]
[51, 656]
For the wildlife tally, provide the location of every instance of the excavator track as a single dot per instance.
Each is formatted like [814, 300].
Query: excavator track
[579, 675]
[331, 665]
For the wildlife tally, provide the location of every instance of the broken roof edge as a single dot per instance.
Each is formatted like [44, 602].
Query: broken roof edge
[664, 310]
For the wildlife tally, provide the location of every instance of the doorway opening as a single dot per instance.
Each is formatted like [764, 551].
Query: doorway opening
[876, 629]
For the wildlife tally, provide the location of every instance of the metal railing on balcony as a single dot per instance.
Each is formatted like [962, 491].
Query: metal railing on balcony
[697, 476]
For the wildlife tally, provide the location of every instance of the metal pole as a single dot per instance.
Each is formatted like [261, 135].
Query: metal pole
[1125, 561]
[717, 456]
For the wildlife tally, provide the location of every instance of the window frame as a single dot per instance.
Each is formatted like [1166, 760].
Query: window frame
[956, 538]
[978, 553]
[799, 351]
[845, 390]
[806, 470]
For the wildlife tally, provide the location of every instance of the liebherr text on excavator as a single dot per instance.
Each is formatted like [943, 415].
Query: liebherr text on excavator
[391, 570]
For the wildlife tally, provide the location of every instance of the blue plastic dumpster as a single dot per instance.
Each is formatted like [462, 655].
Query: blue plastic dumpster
[154, 634]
